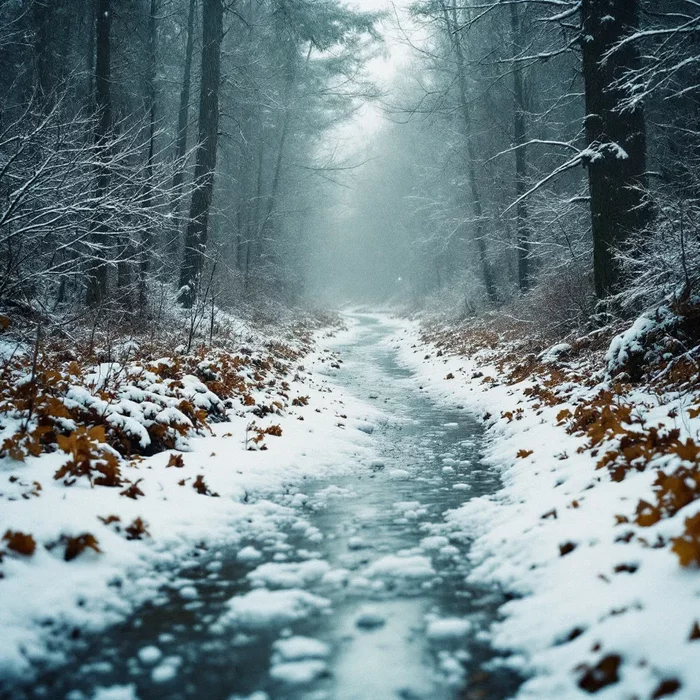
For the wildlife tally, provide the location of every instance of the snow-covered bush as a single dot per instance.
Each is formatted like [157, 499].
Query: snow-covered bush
[663, 261]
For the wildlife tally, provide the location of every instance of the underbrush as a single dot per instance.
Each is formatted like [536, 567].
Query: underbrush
[102, 402]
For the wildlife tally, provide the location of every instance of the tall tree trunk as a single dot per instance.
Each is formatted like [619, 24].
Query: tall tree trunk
[267, 222]
[90, 12]
[254, 212]
[450, 17]
[43, 66]
[197, 226]
[147, 234]
[616, 138]
[522, 229]
[97, 268]
[183, 117]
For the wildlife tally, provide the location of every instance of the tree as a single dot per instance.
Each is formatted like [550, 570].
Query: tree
[97, 270]
[197, 226]
[183, 114]
[520, 143]
[615, 133]
[151, 97]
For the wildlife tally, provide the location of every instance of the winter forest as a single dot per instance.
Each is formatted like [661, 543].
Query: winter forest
[350, 349]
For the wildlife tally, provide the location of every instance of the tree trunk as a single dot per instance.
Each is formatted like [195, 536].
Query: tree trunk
[474, 192]
[267, 222]
[184, 112]
[616, 139]
[97, 268]
[522, 230]
[197, 226]
[147, 234]
[43, 75]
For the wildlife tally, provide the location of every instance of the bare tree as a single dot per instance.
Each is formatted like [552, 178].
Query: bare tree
[198, 224]
[615, 133]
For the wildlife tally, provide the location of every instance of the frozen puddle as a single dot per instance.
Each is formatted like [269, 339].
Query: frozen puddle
[357, 593]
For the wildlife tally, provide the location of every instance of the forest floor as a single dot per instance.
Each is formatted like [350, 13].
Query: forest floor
[386, 511]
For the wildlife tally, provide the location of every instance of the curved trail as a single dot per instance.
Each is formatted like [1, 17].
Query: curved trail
[380, 586]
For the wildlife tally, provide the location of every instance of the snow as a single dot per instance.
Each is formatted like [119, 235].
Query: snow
[298, 648]
[448, 628]
[631, 341]
[289, 575]
[249, 554]
[263, 609]
[167, 670]
[572, 609]
[150, 655]
[96, 590]
[116, 692]
[370, 619]
[394, 566]
[298, 672]
[643, 611]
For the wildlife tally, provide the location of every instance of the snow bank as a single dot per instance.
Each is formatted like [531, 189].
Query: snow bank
[212, 494]
[602, 603]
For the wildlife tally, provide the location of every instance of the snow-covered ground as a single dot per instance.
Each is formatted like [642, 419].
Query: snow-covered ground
[596, 605]
[600, 607]
[44, 596]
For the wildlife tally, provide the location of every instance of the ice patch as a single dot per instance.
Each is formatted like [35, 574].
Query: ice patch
[400, 567]
[189, 592]
[249, 554]
[448, 628]
[370, 619]
[434, 542]
[166, 670]
[150, 655]
[116, 692]
[262, 609]
[299, 648]
[357, 543]
[289, 575]
[298, 672]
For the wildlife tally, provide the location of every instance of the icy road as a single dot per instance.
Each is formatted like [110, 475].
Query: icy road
[372, 605]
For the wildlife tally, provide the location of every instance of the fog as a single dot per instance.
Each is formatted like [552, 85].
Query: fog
[424, 153]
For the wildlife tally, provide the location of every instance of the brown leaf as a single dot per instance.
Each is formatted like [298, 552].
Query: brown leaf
[668, 686]
[175, 460]
[200, 487]
[566, 548]
[75, 546]
[695, 632]
[137, 530]
[20, 543]
[687, 546]
[133, 491]
[604, 673]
